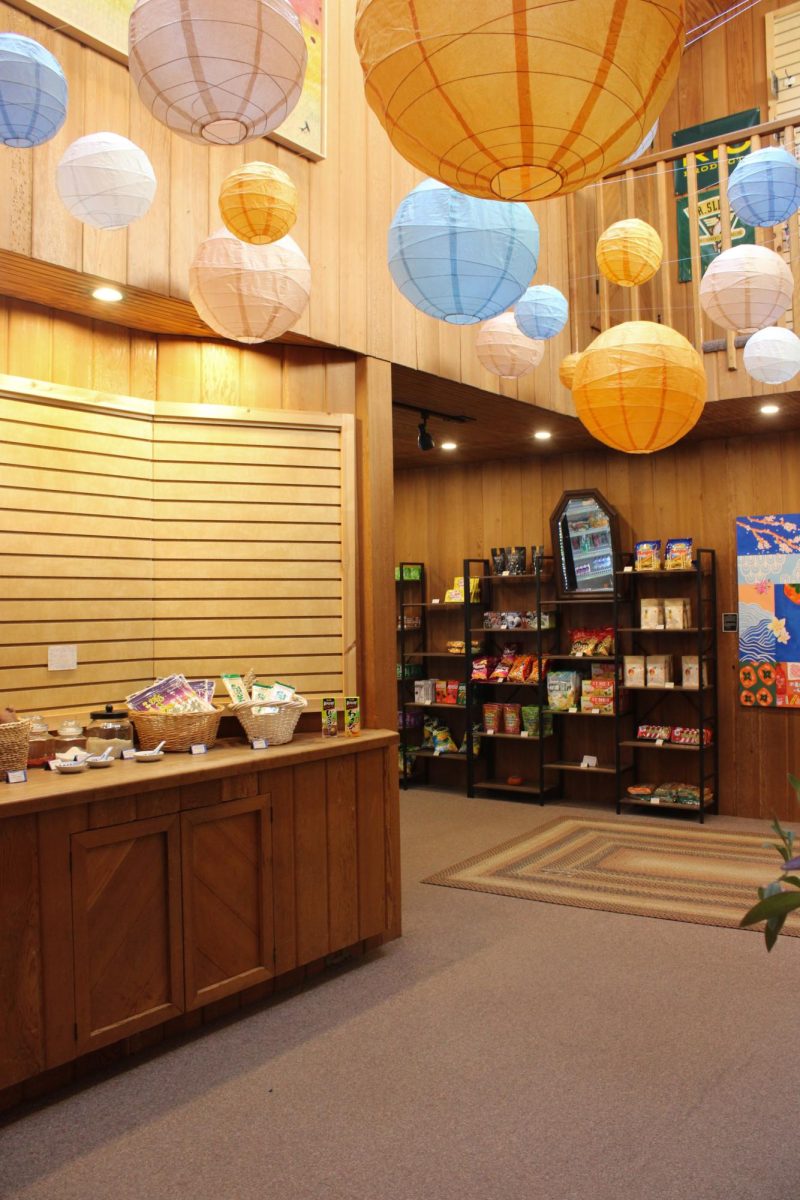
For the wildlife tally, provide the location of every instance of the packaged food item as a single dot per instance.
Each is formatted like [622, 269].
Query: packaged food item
[462, 694]
[529, 714]
[677, 613]
[597, 687]
[492, 620]
[602, 670]
[330, 720]
[686, 736]
[441, 691]
[483, 666]
[428, 727]
[599, 702]
[455, 594]
[591, 642]
[515, 560]
[639, 790]
[512, 620]
[273, 693]
[498, 560]
[652, 613]
[451, 694]
[172, 694]
[476, 741]
[563, 690]
[70, 736]
[443, 742]
[659, 669]
[690, 671]
[534, 675]
[109, 729]
[501, 670]
[234, 686]
[511, 718]
[521, 668]
[424, 691]
[204, 688]
[647, 556]
[41, 747]
[680, 793]
[633, 670]
[678, 554]
[654, 733]
[352, 716]
[410, 671]
[492, 717]
[454, 647]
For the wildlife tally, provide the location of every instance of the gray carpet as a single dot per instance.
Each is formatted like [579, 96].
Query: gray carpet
[498, 1050]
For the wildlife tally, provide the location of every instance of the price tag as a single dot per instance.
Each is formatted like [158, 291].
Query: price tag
[198, 748]
[259, 743]
[490, 733]
[523, 733]
[20, 776]
[427, 702]
[435, 601]
[572, 710]
[579, 654]
[595, 712]
[628, 570]
[129, 753]
[589, 760]
[437, 752]
[659, 741]
[670, 684]
[655, 800]
[505, 572]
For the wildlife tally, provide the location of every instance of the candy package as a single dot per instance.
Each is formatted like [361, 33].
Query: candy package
[591, 642]
[678, 554]
[653, 733]
[521, 668]
[441, 691]
[462, 694]
[684, 736]
[498, 560]
[451, 696]
[647, 556]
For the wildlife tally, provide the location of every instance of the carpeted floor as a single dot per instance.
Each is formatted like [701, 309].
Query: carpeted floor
[498, 1050]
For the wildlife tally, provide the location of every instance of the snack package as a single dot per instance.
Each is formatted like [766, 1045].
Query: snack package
[492, 620]
[659, 669]
[653, 733]
[205, 688]
[424, 691]
[443, 742]
[563, 689]
[451, 694]
[634, 672]
[684, 736]
[482, 667]
[515, 560]
[501, 670]
[511, 620]
[652, 613]
[492, 716]
[441, 691]
[639, 790]
[597, 702]
[511, 718]
[678, 554]
[530, 719]
[428, 727]
[462, 694]
[603, 670]
[454, 647]
[677, 613]
[234, 686]
[273, 693]
[498, 560]
[330, 721]
[172, 694]
[597, 687]
[591, 642]
[521, 668]
[534, 675]
[352, 716]
[647, 556]
[476, 741]
[690, 671]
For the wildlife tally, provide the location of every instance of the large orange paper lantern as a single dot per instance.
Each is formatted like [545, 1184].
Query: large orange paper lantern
[566, 369]
[629, 252]
[258, 203]
[513, 101]
[504, 349]
[639, 387]
[746, 288]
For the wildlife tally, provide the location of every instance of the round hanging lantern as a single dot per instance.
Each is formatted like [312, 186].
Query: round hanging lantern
[258, 203]
[33, 92]
[459, 259]
[645, 143]
[772, 355]
[105, 180]
[639, 387]
[746, 288]
[566, 369]
[249, 293]
[629, 252]
[505, 350]
[218, 73]
[764, 188]
[518, 101]
[541, 312]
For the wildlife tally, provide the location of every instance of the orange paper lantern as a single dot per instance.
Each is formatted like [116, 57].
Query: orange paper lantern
[505, 350]
[629, 252]
[639, 387]
[258, 203]
[566, 369]
[513, 101]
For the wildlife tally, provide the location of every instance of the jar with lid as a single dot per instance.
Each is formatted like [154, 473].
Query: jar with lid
[41, 747]
[70, 733]
[109, 728]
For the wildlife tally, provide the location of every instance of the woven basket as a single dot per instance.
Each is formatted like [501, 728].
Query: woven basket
[278, 728]
[14, 738]
[178, 731]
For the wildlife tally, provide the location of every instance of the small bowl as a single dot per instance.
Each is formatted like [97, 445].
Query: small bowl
[70, 768]
[149, 755]
[100, 762]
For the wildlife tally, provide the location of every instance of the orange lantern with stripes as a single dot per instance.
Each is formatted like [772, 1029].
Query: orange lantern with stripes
[258, 203]
[629, 252]
[566, 369]
[639, 387]
[512, 101]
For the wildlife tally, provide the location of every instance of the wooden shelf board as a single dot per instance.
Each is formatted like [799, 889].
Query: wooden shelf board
[601, 769]
[633, 742]
[528, 789]
[449, 754]
[434, 704]
[511, 737]
[644, 802]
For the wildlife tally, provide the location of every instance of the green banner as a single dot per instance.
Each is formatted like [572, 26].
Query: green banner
[707, 164]
[709, 226]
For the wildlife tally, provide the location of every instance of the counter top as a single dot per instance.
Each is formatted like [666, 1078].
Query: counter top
[46, 790]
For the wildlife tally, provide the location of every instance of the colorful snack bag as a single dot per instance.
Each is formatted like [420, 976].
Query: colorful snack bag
[647, 556]
[443, 742]
[483, 667]
[330, 720]
[653, 733]
[521, 668]
[451, 695]
[234, 686]
[492, 715]
[530, 719]
[511, 718]
[441, 691]
[678, 554]
[462, 694]
[352, 716]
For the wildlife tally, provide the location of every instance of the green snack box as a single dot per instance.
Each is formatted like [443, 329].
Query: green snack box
[330, 720]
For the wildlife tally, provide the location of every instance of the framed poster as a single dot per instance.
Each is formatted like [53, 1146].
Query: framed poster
[103, 24]
[768, 570]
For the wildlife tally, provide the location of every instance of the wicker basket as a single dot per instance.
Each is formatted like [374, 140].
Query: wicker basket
[276, 727]
[178, 731]
[14, 738]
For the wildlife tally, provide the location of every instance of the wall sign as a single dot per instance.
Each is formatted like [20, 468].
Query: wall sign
[768, 563]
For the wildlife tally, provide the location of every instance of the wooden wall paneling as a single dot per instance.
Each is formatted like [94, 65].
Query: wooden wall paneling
[111, 359]
[311, 862]
[17, 168]
[22, 1042]
[352, 209]
[144, 365]
[220, 370]
[343, 856]
[304, 379]
[404, 315]
[372, 843]
[280, 784]
[30, 342]
[260, 376]
[148, 239]
[179, 373]
[190, 220]
[300, 170]
[56, 235]
[340, 383]
[380, 210]
[73, 355]
[106, 84]
[694, 239]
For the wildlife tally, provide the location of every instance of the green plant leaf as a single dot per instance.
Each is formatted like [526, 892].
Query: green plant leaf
[771, 931]
[795, 782]
[775, 905]
[794, 880]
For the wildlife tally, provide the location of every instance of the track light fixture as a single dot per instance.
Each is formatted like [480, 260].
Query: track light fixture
[425, 440]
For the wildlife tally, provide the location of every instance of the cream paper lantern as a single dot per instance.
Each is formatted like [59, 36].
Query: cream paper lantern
[249, 293]
[566, 369]
[505, 350]
[746, 288]
[217, 72]
[772, 355]
[105, 180]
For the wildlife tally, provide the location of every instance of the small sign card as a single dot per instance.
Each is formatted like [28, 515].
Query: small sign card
[259, 743]
[589, 760]
[199, 748]
[20, 776]
[129, 753]
[670, 683]
[572, 710]
[524, 733]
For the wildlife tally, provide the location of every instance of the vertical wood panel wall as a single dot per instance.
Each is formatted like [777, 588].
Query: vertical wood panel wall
[445, 515]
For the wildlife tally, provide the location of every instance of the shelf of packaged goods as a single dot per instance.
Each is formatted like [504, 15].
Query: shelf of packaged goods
[433, 654]
[662, 574]
[450, 754]
[526, 789]
[510, 737]
[482, 629]
[579, 658]
[503, 683]
[642, 745]
[663, 687]
[598, 550]
[434, 704]
[651, 629]
[578, 599]
[450, 606]
[600, 769]
[647, 802]
[579, 712]
[514, 578]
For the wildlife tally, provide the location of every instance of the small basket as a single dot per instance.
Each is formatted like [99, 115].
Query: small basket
[178, 731]
[14, 738]
[276, 727]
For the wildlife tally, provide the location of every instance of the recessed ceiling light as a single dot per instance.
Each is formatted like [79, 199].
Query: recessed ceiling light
[109, 294]
[449, 445]
[769, 410]
[543, 435]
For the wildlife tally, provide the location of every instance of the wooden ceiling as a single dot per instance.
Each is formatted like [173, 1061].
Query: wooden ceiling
[698, 11]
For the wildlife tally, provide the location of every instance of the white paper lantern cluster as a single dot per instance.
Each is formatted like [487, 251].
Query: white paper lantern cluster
[746, 288]
[505, 350]
[772, 355]
[105, 180]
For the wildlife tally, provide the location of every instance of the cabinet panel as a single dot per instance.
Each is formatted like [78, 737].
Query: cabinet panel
[21, 1034]
[227, 898]
[126, 907]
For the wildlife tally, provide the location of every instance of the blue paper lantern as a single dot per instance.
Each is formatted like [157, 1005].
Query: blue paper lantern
[764, 188]
[542, 312]
[33, 92]
[458, 258]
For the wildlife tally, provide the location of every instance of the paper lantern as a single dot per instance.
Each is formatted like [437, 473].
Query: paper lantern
[217, 72]
[645, 143]
[566, 369]
[541, 312]
[505, 350]
[518, 101]
[249, 293]
[764, 188]
[629, 252]
[459, 259]
[258, 203]
[772, 355]
[639, 387]
[746, 288]
[33, 92]
[105, 180]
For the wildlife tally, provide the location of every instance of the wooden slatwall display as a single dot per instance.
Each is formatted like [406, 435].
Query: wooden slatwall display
[783, 62]
[170, 537]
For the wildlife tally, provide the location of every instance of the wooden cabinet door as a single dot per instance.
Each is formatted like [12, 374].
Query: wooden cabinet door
[126, 911]
[227, 898]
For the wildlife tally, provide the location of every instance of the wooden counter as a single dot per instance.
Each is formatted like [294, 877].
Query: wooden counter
[135, 895]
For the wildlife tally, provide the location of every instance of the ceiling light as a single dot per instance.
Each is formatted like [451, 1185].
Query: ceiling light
[769, 410]
[424, 439]
[449, 445]
[109, 294]
[543, 435]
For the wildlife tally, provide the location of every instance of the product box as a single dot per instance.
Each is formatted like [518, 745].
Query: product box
[603, 670]
[597, 702]
[330, 724]
[352, 716]
[677, 613]
[652, 613]
[424, 691]
[634, 671]
[690, 671]
[440, 691]
[659, 669]
[597, 687]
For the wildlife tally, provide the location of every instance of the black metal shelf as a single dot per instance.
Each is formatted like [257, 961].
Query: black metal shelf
[525, 789]
[638, 744]
[600, 769]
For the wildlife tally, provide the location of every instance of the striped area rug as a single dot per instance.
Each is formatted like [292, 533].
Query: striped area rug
[643, 868]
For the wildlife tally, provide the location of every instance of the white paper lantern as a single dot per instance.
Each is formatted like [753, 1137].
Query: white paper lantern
[746, 288]
[772, 355]
[219, 72]
[106, 180]
[249, 293]
[505, 350]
